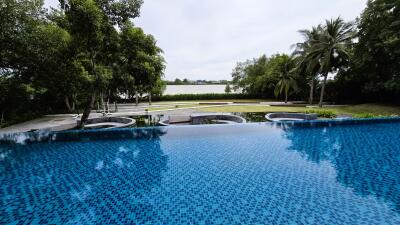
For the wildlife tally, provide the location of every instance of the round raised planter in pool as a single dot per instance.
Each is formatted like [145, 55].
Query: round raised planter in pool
[109, 122]
[202, 118]
[279, 117]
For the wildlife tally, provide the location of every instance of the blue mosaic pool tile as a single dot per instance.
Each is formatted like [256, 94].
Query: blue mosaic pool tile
[243, 174]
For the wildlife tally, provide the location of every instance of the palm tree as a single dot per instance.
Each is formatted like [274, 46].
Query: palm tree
[286, 79]
[331, 48]
[308, 69]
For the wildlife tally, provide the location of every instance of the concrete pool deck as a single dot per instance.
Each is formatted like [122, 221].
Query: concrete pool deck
[67, 121]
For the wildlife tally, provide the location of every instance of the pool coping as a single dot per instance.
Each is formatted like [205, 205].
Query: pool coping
[153, 131]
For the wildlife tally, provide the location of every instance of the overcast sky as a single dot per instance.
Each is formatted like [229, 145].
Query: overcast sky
[203, 39]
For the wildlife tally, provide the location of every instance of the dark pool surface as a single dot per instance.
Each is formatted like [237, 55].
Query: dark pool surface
[208, 174]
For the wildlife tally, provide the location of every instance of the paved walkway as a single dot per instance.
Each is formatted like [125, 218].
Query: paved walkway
[67, 121]
[53, 122]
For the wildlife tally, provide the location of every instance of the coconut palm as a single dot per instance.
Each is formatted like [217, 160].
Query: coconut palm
[286, 81]
[331, 48]
[308, 69]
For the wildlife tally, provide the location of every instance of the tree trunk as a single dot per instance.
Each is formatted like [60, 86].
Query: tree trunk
[149, 98]
[137, 98]
[2, 118]
[311, 99]
[321, 99]
[88, 109]
[66, 100]
[71, 108]
[286, 97]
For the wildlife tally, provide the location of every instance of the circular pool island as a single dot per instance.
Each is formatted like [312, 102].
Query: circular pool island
[109, 122]
[201, 118]
[280, 117]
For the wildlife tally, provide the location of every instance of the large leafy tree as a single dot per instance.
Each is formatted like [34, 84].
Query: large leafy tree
[140, 63]
[377, 54]
[91, 24]
[331, 50]
[254, 77]
[73, 55]
[259, 77]
[87, 24]
[31, 58]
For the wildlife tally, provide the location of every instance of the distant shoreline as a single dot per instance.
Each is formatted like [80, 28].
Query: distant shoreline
[176, 89]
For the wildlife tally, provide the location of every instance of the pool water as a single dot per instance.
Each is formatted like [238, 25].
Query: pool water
[211, 174]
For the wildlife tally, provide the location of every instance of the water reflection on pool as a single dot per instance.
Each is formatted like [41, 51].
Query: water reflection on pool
[214, 174]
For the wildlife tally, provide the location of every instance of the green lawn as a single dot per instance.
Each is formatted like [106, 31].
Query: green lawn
[218, 100]
[171, 106]
[356, 110]
[376, 109]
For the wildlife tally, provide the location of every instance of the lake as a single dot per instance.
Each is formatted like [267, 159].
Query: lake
[194, 89]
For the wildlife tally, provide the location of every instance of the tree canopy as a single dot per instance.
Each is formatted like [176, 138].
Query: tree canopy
[70, 57]
[363, 57]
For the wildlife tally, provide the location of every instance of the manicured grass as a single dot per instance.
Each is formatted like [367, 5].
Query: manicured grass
[218, 100]
[252, 108]
[172, 106]
[375, 109]
[361, 110]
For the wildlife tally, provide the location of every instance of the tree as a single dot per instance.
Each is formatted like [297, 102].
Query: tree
[307, 69]
[228, 88]
[120, 11]
[75, 55]
[377, 53]
[86, 24]
[159, 87]
[285, 72]
[178, 81]
[255, 77]
[259, 77]
[331, 49]
[32, 53]
[141, 62]
[91, 25]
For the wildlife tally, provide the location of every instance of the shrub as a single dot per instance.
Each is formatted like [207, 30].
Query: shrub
[323, 113]
[365, 115]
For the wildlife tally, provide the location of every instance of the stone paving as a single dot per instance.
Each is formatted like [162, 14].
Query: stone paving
[69, 121]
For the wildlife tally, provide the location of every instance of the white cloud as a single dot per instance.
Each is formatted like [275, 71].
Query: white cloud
[204, 39]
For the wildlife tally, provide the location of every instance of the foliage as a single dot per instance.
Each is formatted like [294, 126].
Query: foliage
[377, 55]
[322, 113]
[89, 50]
[259, 76]
[305, 67]
[85, 51]
[365, 115]
[329, 48]
[159, 88]
[228, 89]
[140, 66]
[285, 72]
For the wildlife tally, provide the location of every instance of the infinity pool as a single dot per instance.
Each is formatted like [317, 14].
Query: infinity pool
[214, 174]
